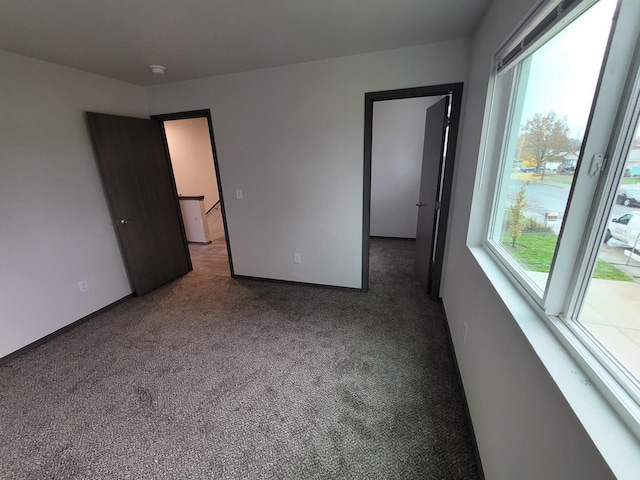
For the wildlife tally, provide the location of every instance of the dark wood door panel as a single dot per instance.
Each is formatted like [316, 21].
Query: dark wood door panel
[141, 192]
[432, 161]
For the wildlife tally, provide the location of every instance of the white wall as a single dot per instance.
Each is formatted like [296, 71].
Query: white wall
[524, 426]
[396, 165]
[192, 159]
[292, 139]
[56, 228]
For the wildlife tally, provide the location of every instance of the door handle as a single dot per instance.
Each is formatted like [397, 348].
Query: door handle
[419, 205]
[124, 221]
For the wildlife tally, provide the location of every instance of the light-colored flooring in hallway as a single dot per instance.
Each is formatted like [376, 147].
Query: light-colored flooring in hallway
[212, 257]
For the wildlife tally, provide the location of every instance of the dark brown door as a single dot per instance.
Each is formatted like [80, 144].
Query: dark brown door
[428, 204]
[142, 197]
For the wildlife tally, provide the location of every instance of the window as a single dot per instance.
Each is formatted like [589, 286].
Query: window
[563, 152]
[553, 89]
[610, 312]
[624, 220]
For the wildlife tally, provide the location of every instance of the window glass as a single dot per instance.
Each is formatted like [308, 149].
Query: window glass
[554, 89]
[611, 311]
[624, 219]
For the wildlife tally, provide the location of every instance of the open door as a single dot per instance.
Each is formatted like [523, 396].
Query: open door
[435, 133]
[142, 197]
[436, 179]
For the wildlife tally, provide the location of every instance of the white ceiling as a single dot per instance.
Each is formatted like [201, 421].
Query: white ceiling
[199, 38]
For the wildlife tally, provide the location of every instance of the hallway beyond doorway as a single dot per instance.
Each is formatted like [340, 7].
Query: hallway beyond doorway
[212, 258]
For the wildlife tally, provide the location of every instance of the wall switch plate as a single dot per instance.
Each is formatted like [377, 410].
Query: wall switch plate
[238, 194]
[297, 258]
[83, 285]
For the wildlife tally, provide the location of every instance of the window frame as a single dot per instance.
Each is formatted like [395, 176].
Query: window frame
[627, 125]
[610, 129]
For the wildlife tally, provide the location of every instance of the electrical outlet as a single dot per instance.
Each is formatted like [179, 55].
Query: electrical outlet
[83, 285]
[297, 258]
[238, 194]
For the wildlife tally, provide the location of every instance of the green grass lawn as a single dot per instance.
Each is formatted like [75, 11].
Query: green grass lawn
[563, 179]
[630, 181]
[535, 252]
[548, 177]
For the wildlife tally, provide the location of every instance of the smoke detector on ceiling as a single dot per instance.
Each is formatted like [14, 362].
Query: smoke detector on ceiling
[157, 69]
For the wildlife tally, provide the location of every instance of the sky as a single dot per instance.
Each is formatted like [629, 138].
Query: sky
[564, 72]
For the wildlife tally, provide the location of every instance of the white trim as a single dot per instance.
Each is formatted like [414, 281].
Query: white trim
[609, 432]
[616, 379]
[538, 14]
[540, 10]
[600, 128]
[605, 195]
[519, 275]
[626, 128]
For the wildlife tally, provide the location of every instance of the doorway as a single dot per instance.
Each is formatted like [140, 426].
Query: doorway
[435, 176]
[191, 148]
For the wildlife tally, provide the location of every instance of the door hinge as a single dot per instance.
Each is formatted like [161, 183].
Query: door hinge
[438, 205]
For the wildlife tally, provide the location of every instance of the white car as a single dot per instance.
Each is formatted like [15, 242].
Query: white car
[625, 229]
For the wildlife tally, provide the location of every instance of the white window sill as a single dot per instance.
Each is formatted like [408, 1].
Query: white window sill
[613, 438]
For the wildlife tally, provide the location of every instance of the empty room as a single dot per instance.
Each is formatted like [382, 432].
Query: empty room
[470, 313]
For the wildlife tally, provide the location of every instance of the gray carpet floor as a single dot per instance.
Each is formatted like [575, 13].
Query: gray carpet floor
[210, 377]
